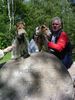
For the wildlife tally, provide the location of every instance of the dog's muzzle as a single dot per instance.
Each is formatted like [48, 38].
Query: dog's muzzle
[20, 35]
[20, 32]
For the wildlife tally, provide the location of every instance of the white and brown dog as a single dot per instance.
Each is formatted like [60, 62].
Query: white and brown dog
[20, 45]
[43, 34]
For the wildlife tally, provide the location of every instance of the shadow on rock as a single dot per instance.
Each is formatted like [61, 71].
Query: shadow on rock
[1, 65]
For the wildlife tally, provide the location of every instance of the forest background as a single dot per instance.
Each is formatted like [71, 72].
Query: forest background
[34, 13]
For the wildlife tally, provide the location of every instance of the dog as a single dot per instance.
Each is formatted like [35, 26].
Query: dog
[20, 45]
[43, 34]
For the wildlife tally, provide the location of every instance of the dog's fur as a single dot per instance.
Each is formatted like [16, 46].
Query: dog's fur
[43, 33]
[20, 45]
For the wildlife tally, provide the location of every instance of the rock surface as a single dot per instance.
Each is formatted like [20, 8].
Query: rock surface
[72, 73]
[72, 70]
[38, 77]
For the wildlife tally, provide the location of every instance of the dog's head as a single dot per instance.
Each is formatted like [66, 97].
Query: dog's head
[20, 25]
[43, 30]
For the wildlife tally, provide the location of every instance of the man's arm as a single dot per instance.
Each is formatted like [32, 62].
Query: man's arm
[8, 49]
[61, 43]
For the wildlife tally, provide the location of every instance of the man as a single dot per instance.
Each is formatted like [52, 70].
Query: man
[59, 43]
[33, 47]
[33, 44]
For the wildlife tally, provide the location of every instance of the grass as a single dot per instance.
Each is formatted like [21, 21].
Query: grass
[6, 58]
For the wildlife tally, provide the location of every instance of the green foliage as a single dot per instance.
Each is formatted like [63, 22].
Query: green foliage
[5, 58]
[34, 13]
[5, 40]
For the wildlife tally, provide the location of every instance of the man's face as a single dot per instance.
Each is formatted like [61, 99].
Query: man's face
[56, 25]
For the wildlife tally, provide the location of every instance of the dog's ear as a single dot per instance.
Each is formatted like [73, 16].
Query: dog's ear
[37, 30]
[20, 25]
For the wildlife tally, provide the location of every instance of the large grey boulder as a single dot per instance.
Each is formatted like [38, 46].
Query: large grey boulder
[72, 73]
[39, 77]
[72, 70]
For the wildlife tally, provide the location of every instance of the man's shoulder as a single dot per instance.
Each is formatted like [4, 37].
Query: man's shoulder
[63, 33]
[32, 41]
